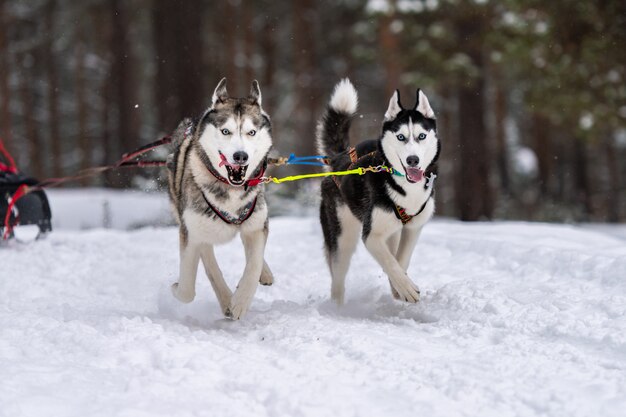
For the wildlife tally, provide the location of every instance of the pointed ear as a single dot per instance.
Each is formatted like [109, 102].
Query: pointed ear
[255, 92]
[394, 106]
[220, 94]
[423, 106]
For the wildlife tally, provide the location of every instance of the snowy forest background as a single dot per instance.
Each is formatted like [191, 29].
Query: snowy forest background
[530, 95]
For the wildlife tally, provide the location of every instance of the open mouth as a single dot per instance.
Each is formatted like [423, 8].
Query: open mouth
[236, 173]
[413, 174]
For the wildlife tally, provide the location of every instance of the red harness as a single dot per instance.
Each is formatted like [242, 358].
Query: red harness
[227, 218]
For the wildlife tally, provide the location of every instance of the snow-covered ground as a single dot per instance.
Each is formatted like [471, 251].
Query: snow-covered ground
[89, 208]
[516, 319]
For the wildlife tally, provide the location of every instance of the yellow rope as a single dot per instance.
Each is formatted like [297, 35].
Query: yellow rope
[356, 171]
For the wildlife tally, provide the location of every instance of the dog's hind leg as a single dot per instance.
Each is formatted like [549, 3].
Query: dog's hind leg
[254, 245]
[394, 242]
[339, 259]
[267, 277]
[185, 289]
[214, 273]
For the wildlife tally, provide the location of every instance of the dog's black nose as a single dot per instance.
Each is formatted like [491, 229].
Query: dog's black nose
[240, 157]
[412, 160]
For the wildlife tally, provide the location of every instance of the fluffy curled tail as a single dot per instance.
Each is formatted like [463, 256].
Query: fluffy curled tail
[333, 128]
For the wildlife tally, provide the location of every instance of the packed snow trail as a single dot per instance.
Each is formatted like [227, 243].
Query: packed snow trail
[516, 319]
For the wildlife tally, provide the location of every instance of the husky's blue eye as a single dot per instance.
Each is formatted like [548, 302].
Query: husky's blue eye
[225, 132]
[401, 137]
[252, 132]
[422, 136]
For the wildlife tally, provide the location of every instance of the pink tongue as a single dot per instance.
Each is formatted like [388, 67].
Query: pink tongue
[414, 174]
[225, 162]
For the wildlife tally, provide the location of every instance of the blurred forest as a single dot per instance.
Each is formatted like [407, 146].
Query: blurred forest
[530, 95]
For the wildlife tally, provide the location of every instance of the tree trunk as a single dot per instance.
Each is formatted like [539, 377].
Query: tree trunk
[108, 144]
[53, 89]
[122, 78]
[542, 144]
[447, 133]
[189, 59]
[35, 151]
[305, 71]
[248, 43]
[180, 92]
[167, 100]
[5, 90]
[502, 158]
[613, 196]
[268, 48]
[83, 141]
[103, 19]
[388, 51]
[581, 178]
[474, 195]
[229, 51]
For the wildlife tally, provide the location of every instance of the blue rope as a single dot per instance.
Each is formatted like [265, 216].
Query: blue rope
[306, 160]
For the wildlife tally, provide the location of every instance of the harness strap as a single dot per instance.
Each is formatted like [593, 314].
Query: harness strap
[229, 219]
[216, 174]
[10, 165]
[402, 215]
[7, 168]
[257, 179]
[8, 227]
[143, 149]
[405, 217]
[353, 155]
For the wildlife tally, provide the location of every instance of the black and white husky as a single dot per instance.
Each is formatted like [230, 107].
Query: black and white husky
[215, 193]
[387, 209]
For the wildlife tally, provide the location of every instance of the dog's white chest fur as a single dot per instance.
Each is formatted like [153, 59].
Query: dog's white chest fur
[204, 230]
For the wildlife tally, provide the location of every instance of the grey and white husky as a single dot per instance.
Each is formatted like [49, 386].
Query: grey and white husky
[215, 193]
[386, 209]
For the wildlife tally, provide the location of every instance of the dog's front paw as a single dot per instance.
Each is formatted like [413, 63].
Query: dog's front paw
[407, 291]
[236, 311]
[182, 296]
[394, 293]
[239, 304]
[224, 301]
[267, 278]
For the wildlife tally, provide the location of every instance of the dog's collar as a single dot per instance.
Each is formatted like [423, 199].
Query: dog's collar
[216, 174]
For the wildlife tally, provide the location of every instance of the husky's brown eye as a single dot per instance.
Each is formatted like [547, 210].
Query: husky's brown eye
[252, 133]
[422, 136]
[225, 132]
